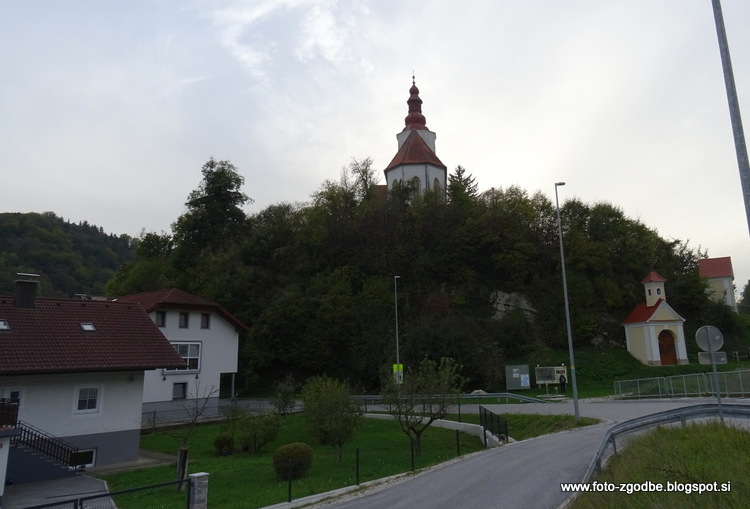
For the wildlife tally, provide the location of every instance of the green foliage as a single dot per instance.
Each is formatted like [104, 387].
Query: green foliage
[224, 442]
[423, 396]
[332, 414]
[284, 395]
[259, 431]
[292, 461]
[70, 258]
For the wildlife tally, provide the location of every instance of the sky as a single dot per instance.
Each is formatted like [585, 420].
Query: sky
[109, 109]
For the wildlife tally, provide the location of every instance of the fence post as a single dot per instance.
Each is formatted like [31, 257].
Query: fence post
[458, 444]
[357, 466]
[198, 492]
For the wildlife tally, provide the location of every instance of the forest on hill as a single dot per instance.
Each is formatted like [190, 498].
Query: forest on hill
[71, 258]
[316, 281]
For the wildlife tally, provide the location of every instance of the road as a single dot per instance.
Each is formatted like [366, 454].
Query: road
[523, 474]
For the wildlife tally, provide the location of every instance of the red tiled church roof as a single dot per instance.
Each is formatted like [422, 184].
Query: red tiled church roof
[48, 338]
[716, 267]
[415, 151]
[172, 298]
[653, 277]
[642, 313]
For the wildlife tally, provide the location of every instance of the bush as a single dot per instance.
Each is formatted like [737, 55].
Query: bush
[292, 461]
[258, 432]
[223, 442]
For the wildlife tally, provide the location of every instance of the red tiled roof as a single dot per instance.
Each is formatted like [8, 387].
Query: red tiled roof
[643, 313]
[49, 338]
[653, 277]
[716, 267]
[415, 151]
[172, 298]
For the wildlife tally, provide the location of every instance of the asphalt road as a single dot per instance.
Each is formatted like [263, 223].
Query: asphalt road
[524, 474]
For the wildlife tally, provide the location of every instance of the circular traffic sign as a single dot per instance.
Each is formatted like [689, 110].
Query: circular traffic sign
[709, 338]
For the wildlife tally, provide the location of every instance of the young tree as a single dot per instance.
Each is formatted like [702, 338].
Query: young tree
[331, 412]
[424, 396]
[462, 186]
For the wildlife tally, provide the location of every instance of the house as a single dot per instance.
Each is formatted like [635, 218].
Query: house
[719, 277]
[206, 336]
[74, 370]
[654, 331]
[416, 162]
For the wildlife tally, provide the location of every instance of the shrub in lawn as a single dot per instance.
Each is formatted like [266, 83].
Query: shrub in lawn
[258, 432]
[292, 461]
[224, 442]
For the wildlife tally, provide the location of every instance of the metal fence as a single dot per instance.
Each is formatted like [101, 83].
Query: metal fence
[730, 383]
[214, 411]
[494, 424]
[168, 495]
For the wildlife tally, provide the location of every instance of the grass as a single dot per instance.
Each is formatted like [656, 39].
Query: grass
[522, 426]
[248, 481]
[695, 454]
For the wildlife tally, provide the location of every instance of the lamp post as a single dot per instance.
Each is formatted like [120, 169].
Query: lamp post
[395, 302]
[567, 307]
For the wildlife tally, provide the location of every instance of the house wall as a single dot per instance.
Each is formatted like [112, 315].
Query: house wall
[722, 290]
[49, 403]
[219, 346]
[426, 173]
[636, 342]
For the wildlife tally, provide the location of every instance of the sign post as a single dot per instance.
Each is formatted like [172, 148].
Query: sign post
[710, 339]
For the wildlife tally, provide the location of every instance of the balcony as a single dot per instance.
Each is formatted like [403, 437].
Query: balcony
[8, 413]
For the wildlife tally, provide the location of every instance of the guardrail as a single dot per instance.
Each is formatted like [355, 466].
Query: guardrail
[670, 416]
[730, 383]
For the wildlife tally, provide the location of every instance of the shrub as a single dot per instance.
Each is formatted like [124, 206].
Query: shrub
[284, 398]
[332, 414]
[292, 461]
[223, 442]
[258, 432]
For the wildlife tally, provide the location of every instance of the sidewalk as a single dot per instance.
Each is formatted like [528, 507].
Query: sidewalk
[19, 496]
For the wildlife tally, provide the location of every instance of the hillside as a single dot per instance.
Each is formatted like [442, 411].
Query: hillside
[70, 258]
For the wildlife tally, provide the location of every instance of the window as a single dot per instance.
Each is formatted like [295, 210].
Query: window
[658, 291]
[184, 316]
[88, 399]
[88, 327]
[191, 352]
[83, 458]
[179, 390]
[4, 325]
[11, 395]
[205, 320]
[160, 318]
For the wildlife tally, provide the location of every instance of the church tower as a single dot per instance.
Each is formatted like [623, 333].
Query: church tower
[415, 162]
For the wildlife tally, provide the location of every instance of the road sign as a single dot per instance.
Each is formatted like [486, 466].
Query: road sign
[398, 373]
[719, 357]
[709, 338]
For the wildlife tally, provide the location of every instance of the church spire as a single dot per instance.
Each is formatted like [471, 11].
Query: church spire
[415, 119]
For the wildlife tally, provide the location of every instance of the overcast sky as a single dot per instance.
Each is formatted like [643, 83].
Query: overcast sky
[109, 109]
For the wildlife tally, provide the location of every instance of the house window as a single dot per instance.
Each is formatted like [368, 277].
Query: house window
[160, 318]
[191, 353]
[179, 390]
[85, 458]
[88, 327]
[205, 320]
[88, 400]
[4, 325]
[184, 316]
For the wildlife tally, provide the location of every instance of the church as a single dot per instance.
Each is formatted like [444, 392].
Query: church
[416, 163]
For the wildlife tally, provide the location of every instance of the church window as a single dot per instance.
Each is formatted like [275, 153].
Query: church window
[416, 184]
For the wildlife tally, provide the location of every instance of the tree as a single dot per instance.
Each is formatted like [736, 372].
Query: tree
[214, 214]
[331, 412]
[424, 396]
[462, 187]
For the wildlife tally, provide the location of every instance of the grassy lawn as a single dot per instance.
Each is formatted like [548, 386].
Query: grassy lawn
[698, 453]
[522, 426]
[248, 481]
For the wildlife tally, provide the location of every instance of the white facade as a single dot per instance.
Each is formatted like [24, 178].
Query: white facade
[424, 177]
[216, 341]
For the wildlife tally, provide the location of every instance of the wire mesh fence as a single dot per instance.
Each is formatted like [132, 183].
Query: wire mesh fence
[729, 383]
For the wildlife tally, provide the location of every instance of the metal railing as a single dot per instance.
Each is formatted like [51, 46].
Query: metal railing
[730, 383]
[648, 421]
[494, 424]
[46, 444]
[156, 496]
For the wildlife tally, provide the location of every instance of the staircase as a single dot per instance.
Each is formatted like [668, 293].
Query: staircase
[37, 456]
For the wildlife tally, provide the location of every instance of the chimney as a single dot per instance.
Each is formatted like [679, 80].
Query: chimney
[26, 290]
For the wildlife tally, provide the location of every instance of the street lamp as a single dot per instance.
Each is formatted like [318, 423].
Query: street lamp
[567, 307]
[395, 301]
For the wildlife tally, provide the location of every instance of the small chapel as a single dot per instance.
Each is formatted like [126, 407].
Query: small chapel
[653, 330]
[415, 162]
